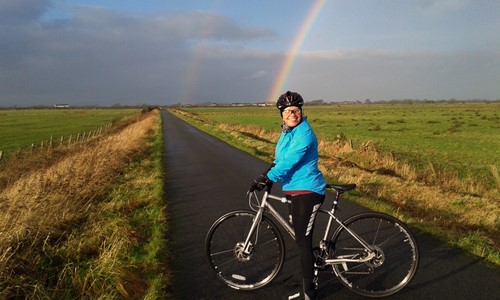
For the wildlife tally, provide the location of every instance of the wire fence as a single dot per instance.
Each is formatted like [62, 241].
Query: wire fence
[52, 142]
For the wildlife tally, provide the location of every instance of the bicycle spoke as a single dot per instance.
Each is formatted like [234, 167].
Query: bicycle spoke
[270, 241]
[390, 237]
[222, 263]
[221, 252]
[377, 232]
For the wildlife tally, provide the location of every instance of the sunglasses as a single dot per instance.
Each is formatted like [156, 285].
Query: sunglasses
[292, 111]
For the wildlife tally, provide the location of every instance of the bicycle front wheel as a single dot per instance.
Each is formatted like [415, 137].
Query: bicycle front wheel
[396, 255]
[239, 270]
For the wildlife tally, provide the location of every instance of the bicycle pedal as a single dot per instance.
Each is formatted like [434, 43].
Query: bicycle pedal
[322, 267]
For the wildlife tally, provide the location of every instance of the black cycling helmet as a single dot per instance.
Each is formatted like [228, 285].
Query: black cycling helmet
[289, 99]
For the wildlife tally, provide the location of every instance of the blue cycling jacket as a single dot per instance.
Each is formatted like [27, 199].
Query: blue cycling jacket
[296, 160]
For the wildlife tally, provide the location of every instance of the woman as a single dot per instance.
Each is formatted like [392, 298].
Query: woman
[296, 165]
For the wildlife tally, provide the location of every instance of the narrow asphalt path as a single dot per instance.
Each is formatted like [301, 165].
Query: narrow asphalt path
[206, 177]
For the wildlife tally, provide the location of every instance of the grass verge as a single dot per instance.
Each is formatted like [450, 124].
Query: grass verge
[89, 225]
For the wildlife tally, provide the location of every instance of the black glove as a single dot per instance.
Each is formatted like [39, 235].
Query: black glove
[260, 183]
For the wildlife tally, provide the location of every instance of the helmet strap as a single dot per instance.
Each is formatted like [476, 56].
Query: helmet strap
[285, 128]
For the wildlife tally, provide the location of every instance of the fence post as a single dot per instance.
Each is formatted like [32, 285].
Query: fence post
[494, 171]
[433, 170]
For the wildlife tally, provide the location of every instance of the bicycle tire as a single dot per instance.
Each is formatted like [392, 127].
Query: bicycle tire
[393, 267]
[223, 247]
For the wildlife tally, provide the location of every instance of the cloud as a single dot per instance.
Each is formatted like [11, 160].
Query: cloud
[102, 56]
[386, 75]
[440, 7]
[259, 74]
[22, 10]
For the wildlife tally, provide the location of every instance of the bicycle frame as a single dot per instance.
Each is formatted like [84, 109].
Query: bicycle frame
[264, 204]
[372, 254]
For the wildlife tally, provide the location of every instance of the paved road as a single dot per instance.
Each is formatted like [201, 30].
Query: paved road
[206, 177]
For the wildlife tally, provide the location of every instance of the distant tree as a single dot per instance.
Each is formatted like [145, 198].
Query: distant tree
[316, 102]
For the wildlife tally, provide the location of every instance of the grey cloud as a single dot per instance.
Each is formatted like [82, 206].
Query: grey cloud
[210, 26]
[439, 7]
[385, 75]
[16, 11]
[101, 56]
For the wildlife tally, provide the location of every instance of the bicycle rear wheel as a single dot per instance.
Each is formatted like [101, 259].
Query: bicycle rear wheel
[224, 250]
[394, 264]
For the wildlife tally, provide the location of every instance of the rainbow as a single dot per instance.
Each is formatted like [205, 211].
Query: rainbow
[290, 56]
[191, 76]
[195, 65]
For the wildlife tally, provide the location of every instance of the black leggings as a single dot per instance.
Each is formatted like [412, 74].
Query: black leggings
[304, 210]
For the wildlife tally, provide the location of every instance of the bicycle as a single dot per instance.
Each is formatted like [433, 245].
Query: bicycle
[372, 254]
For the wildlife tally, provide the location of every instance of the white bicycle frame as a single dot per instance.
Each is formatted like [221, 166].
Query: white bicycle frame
[264, 204]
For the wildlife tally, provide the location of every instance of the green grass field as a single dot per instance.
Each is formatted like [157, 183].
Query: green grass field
[21, 128]
[457, 137]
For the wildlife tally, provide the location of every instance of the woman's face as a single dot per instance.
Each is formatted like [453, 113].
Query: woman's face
[292, 116]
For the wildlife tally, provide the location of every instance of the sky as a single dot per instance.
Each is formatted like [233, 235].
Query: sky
[130, 52]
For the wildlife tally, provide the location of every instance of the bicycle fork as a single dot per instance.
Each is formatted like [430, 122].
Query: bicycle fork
[247, 246]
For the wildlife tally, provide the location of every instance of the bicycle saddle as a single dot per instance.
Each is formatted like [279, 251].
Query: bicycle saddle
[341, 187]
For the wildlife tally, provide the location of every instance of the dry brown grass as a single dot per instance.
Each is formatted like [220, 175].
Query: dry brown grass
[41, 206]
[452, 207]
[446, 204]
